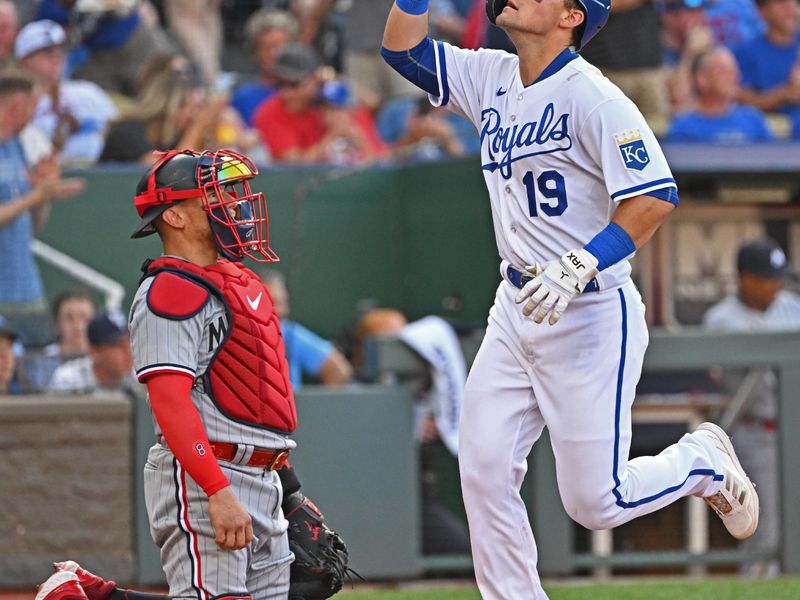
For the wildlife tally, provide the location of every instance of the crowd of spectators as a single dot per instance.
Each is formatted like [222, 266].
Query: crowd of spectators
[303, 81]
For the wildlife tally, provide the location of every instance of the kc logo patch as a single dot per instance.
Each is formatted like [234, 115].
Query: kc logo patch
[632, 149]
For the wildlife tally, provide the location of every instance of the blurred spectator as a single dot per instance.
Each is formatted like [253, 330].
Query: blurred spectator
[734, 22]
[628, 51]
[197, 25]
[479, 33]
[308, 354]
[446, 21]
[113, 39]
[365, 21]
[172, 111]
[439, 395]
[9, 23]
[8, 360]
[717, 117]
[267, 32]
[73, 114]
[760, 304]
[25, 194]
[685, 35]
[305, 123]
[109, 365]
[769, 63]
[417, 130]
[72, 310]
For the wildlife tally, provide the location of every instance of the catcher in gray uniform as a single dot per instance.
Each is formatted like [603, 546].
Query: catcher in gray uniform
[207, 344]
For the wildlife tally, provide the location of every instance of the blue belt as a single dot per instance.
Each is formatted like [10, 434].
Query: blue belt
[518, 279]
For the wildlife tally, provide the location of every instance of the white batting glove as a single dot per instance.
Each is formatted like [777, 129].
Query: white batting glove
[551, 291]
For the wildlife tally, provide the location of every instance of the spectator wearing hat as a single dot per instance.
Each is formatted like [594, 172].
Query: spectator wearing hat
[113, 39]
[761, 304]
[267, 32]
[308, 122]
[107, 368]
[717, 117]
[26, 191]
[74, 114]
[8, 359]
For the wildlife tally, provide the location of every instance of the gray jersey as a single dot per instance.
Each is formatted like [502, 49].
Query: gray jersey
[731, 315]
[162, 345]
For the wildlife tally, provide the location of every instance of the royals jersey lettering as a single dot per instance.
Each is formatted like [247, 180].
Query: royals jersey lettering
[557, 156]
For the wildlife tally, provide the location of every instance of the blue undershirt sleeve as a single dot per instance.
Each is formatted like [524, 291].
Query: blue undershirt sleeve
[418, 65]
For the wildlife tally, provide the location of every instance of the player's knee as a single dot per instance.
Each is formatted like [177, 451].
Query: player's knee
[591, 510]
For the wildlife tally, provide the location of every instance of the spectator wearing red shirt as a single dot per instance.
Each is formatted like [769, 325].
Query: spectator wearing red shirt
[301, 124]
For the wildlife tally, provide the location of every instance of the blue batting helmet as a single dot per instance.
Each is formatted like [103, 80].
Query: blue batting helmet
[595, 11]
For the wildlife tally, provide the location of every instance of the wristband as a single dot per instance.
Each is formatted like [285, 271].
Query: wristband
[413, 7]
[610, 246]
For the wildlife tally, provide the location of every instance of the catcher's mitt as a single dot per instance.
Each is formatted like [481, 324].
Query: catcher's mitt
[320, 556]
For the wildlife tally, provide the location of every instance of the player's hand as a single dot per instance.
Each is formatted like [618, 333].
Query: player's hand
[551, 291]
[233, 527]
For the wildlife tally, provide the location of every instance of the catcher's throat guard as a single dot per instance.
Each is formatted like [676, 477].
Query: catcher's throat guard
[221, 179]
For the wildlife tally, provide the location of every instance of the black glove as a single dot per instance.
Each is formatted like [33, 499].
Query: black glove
[320, 556]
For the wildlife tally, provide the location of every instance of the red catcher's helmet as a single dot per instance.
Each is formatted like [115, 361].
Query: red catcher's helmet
[237, 215]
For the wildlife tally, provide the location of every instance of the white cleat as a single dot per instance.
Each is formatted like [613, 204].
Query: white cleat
[736, 502]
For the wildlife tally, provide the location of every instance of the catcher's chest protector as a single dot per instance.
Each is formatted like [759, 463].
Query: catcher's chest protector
[248, 377]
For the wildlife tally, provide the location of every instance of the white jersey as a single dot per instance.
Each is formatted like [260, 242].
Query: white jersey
[557, 155]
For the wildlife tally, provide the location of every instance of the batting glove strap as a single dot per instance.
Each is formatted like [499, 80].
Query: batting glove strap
[553, 289]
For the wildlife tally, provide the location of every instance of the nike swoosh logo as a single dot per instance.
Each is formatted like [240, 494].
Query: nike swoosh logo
[501, 91]
[254, 303]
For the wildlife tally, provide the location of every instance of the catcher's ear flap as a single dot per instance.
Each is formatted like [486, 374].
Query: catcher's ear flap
[494, 8]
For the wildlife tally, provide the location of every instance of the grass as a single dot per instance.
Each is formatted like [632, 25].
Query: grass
[714, 589]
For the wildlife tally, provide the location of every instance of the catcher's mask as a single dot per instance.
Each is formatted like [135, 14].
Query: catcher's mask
[237, 215]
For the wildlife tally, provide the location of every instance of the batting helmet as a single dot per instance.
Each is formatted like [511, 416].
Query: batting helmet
[237, 215]
[595, 16]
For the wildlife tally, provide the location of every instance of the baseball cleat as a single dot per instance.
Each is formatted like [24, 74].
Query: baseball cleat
[736, 502]
[61, 585]
[96, 588]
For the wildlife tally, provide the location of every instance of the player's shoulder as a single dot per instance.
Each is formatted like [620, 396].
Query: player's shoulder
[589, 84]
[173, 295]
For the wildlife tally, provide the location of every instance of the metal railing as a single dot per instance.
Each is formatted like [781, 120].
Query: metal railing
[113, 291]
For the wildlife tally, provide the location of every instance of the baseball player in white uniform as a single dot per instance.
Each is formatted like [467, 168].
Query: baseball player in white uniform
[577, 183]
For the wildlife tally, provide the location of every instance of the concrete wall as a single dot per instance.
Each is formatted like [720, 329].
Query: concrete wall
[66, 485]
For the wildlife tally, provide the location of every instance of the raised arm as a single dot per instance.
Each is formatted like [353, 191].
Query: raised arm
[406, 26]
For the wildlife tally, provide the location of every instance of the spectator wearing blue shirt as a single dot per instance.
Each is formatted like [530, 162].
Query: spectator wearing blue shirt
[24, 198]
[734, 22]
[112, 39]
[717, 117]
[267, 32]
[417, 130]
[684, 36]
[307, 353]
[769, 63]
